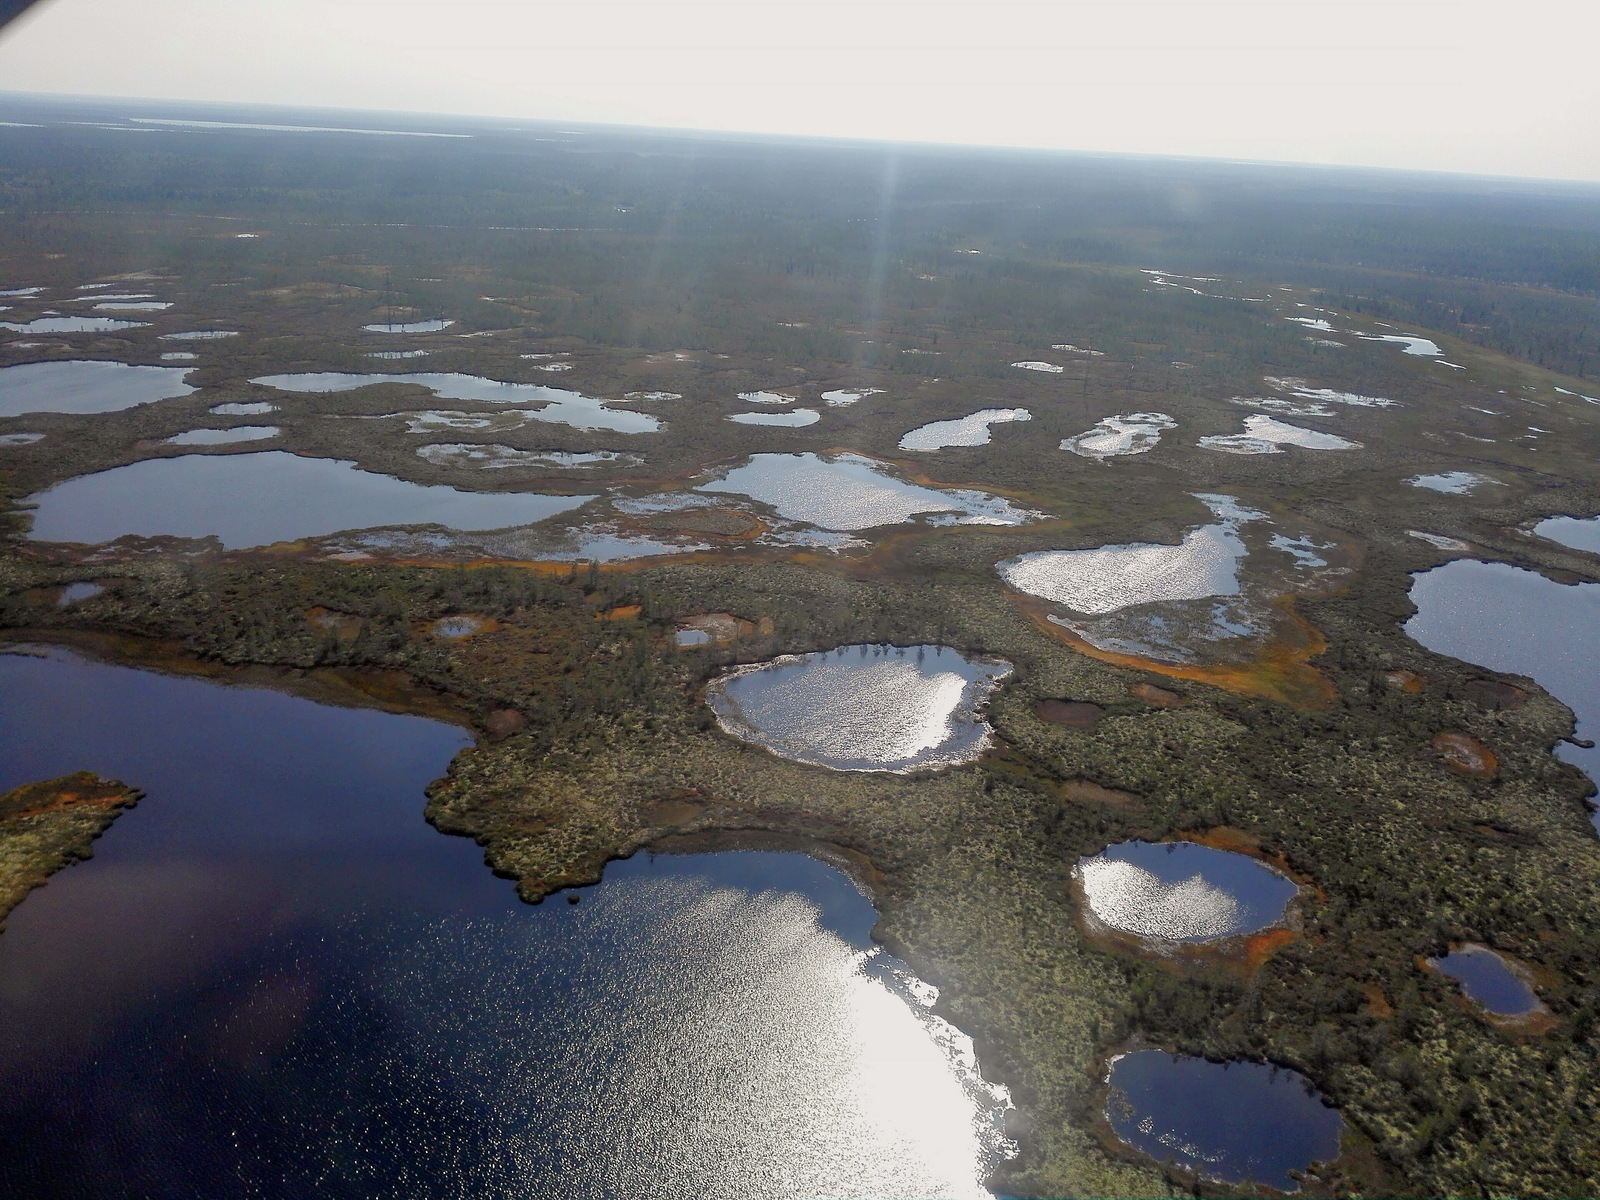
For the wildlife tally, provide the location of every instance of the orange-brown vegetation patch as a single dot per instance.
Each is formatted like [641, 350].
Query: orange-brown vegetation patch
[622, 612]
[1086, 791]
[1282, 671]
[1492, 693]
[48, 825]
[1378, 1004]
[1465, 755]
[1404, 681]
[501, 723]
[1158, 697]
[1073, 714]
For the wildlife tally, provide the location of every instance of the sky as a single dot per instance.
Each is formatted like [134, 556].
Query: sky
[1478, 86]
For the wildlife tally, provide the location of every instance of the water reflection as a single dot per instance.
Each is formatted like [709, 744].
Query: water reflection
[862, 708]
[1182, 892]
[970, 430]
[1231, 1122]
[261, 498]
[306, 990]
[85, 386]
[1517, 621]
[1573, 532]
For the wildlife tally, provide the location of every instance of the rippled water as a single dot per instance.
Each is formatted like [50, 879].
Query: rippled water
[1576, 533]
[850, 491]
[862, 708]
[1517, 621]
[970, 430]
[1230, 1122]
[1488, 979]
[1182, 892]
[559, 406]
[1107, 578]
[222, 437]
[261, 498]
[85, 386]
[305, 990]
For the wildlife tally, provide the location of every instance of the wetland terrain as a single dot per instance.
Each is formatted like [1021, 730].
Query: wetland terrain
[896, 671]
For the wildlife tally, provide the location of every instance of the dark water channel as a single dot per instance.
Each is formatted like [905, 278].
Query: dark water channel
[274, 978]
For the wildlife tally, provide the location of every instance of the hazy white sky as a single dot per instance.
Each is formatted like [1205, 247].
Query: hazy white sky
[1490, 86]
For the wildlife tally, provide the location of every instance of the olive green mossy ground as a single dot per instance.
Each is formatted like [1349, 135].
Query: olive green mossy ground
[52, 824]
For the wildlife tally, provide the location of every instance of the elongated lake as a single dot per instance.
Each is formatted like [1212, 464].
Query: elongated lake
[863, 707]
[1230, 1122]
[273, 978]
[256, 499]
[86, 386]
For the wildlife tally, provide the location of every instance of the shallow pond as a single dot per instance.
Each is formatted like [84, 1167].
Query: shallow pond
[844, 397]
[71, 325]
[1489, 980]
[260, 498]
[1267, 435]
[970, 430]
[1519, 622]
[222, 437]
[1181, 891]
[492, 456]
[1453, 483]
[795, 419]
[1573, 532]
[254, 409]
[850, 491]
[20, 439]
[306, 990]
[1132, 433]
[199, 335]
[560, 406]
[862, 708]
[76, 593]
[1230, 1122]
[84, 386]
[431, 326]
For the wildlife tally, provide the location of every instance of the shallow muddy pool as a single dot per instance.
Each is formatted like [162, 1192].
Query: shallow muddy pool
[863, 707]
[1451, 483]
[850, 491]
[1507, 619]
[1131, 433]
[1573, 532]
[86, 386]
[559, 406]
[1230, 1122]
[1181, 891]
[1489, 980]
[306, 990]
[270, 496]
[971, 430]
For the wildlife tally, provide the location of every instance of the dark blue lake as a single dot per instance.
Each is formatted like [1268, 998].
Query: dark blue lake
[1488, 979]
[1225, 1121]
[274, 978]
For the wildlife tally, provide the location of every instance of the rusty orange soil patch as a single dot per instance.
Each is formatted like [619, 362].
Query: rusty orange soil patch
[1158, 697]
[622, 612]
[1087, 791]
[1404, 681]
[1465, 755]
[1283, 672]
[1377, 1002]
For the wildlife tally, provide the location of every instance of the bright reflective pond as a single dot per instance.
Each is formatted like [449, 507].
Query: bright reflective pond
[1230, 1122]
[1182, 892]
[256, 499]
[1488, 979]
[273, 978]
[84, 386]
[1507, 619]
[862, 707]
[560, 406]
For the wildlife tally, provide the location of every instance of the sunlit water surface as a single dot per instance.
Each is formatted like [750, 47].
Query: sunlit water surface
[274, 978]
[1182, 892]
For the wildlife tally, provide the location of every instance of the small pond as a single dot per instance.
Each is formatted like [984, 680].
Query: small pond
[1489, 980]
[395, 355]
[970, 430]
[1507, 619]
[179, 356]
[1131, 433]
[492, 456]
[1230, 1122]
[259, 408]
[1181, 891]
[222, 437]
[795, 419]
[260, 498]
[457, 627]
[862, 707]
[84, 386]
[560, 406]
[1572, 532]
[274, 978]
[844, 397]
[76, 593]
[431, 326]
[850, 491]
[71, 325]
[1267, 435]
[1453, 483]
[199, 335]
[19, 439]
